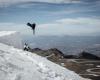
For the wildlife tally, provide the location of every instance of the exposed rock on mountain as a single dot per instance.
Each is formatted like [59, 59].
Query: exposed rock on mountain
[88, 56]
[54, 53]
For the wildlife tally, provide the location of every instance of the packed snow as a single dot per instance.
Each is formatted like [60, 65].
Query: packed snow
[4, 33]
[16, 64]
[12, 38]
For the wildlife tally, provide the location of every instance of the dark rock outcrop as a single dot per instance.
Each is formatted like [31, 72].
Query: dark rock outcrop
[36, 49]
[70, 56]
[53, 52]
[87, 55]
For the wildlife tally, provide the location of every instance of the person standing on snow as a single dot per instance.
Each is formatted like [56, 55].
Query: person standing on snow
[26, 47]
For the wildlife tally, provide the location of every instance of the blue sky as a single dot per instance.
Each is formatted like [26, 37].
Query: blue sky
[53, 17]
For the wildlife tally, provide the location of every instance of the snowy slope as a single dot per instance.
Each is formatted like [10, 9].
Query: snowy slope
[11, 38]
[16, 64]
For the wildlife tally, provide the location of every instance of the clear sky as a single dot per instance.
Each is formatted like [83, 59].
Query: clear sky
[53, 17]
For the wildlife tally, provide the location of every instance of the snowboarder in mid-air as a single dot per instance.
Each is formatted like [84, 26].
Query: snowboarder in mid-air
[32, 26]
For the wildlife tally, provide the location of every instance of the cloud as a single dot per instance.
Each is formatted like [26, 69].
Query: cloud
[5, 3]
[22, 28]
[74, 26]
[67, 26]
[49, 1]
[80, 21]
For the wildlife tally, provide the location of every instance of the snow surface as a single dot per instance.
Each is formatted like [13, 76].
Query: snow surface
[16, 64]
[3, 33]
[11, 38]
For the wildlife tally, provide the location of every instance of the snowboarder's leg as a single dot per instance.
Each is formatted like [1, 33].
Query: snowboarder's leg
[25, 49]
[34, 32]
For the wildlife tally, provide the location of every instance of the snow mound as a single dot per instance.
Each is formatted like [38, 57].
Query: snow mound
[11, 38]
[16, 64]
